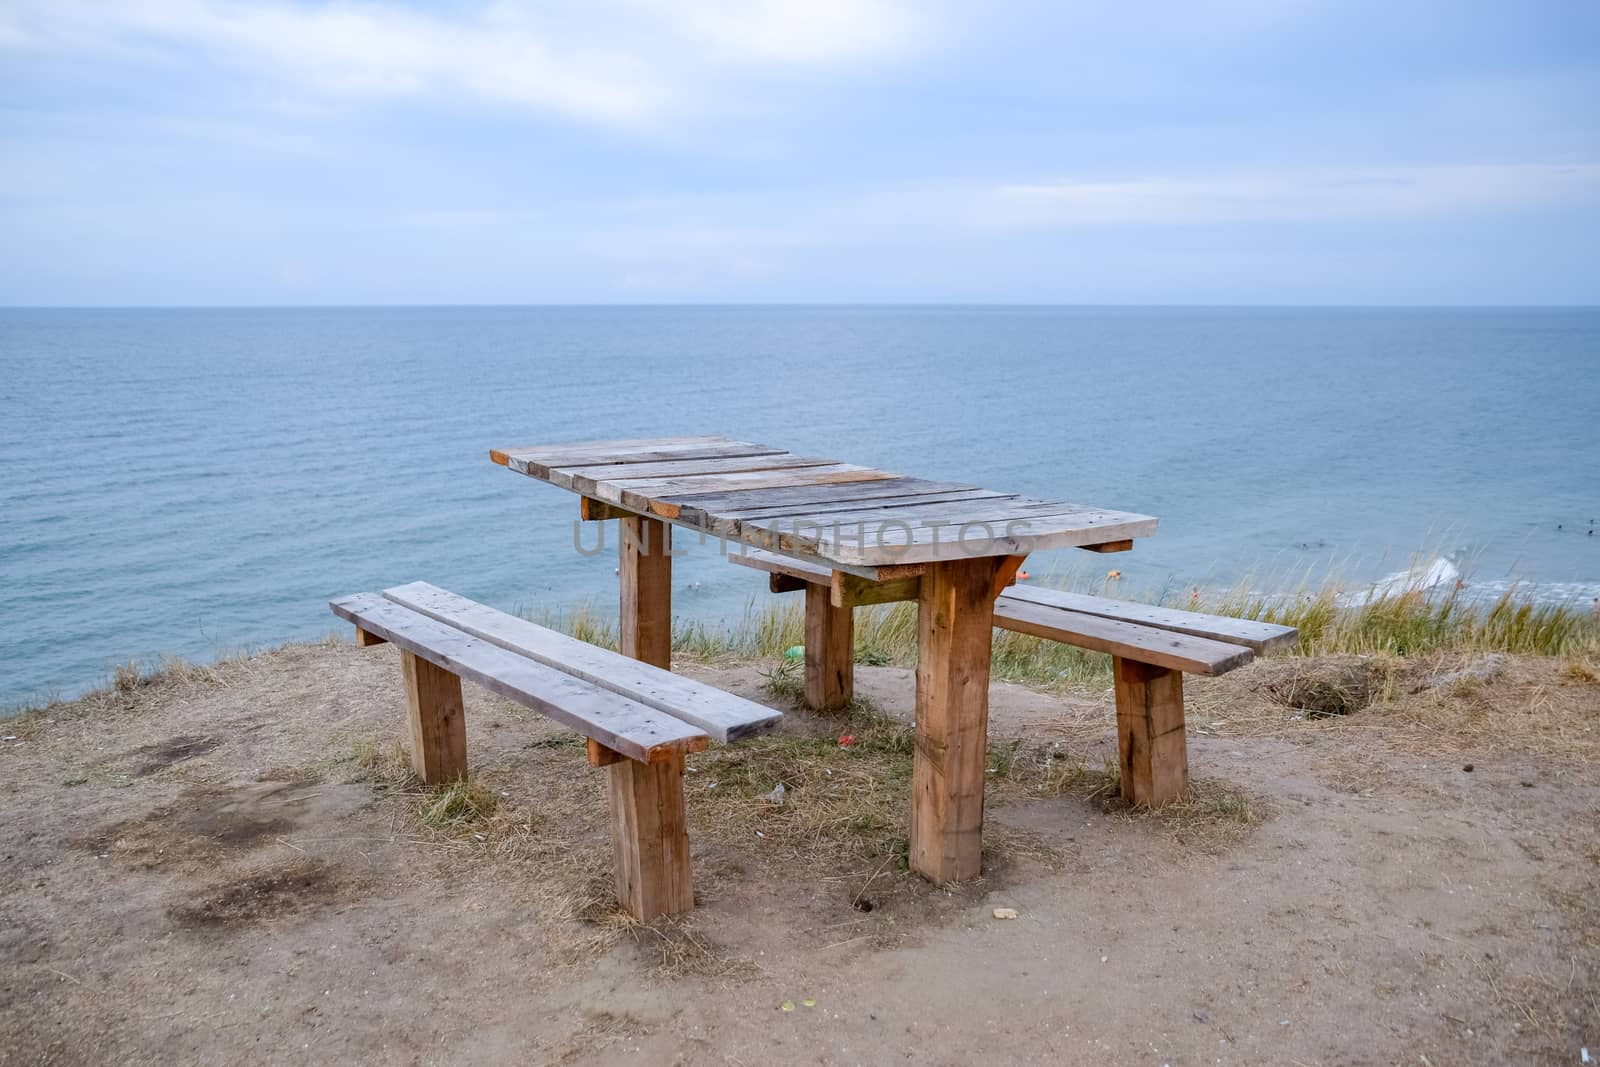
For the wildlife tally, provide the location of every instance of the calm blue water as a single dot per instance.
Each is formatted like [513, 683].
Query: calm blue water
[197, 481]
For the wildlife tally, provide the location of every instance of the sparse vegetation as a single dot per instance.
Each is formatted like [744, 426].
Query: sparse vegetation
[1331, 617]
[1321, 688]
[784, 679]
[465, 806]
[133, 675]
[469, 812]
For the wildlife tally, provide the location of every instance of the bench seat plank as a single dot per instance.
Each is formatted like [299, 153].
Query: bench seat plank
[1260, 636]
[636, 730]
[1214, 642]
[772, 563]
[723, 715]
[1164, 648]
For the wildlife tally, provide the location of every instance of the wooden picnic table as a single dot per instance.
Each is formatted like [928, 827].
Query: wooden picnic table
[961, 543]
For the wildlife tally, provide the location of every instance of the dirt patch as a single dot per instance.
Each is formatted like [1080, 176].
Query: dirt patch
[147, 843]
[205, 823]
[163, 754]
[273, 892]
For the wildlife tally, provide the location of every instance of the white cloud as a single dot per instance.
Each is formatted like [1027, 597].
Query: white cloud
[620, 61]
[1286, 196]
[797, 31]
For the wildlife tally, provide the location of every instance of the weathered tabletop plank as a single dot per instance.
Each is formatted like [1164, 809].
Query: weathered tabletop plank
[995, 509]
[581, 478]
[848, 516]
[636, 730]
[539, 460]
[886, 545]
[737, 502]
[856, 506]
[654, 496]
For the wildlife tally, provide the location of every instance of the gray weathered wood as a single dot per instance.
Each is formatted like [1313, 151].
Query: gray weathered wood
[1039, 533]
[636, 730]
[731, 502]
[946, 516]
[772, 563]
[1180, 652]
[622, 446]
[915, 509]
[581, 479]
[852, 507]
[722, 715]
[654, 494]
[665, 478]
[538, 462]
[1067, 617]
[1260, 636]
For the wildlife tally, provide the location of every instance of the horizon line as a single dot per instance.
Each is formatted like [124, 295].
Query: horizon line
[598, 304]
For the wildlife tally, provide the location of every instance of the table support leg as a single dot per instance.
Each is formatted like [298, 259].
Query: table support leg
[648, 826]
[955, 616]
[830, 651]
[1150, 740]
[646, 571]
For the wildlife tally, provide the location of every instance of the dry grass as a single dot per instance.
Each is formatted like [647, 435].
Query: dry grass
[471, 813]
[1580, 672]
[844, 800]
[841, 817]
[1333, 685]
[1213, 818]
[1432, 704]
[1332, 616]
[556, 827]
[1415, 623]
[132, 676]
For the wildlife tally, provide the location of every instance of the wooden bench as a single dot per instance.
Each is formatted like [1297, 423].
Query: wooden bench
[640, 720]
[1151, 649]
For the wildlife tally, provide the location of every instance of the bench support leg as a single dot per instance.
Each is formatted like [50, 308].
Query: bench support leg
[651, 836]
[438, 723]
[830, 651]
[1150, 739]
[955, 616]
[646, 574]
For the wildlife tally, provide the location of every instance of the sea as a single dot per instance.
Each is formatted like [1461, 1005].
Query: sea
[199, 482]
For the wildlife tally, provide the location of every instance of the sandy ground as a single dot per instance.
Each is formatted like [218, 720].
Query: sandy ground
[199, 870]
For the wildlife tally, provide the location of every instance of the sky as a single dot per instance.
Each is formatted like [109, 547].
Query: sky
[301, 152]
